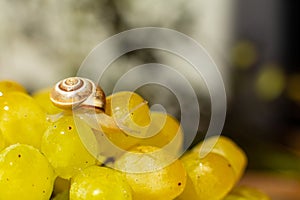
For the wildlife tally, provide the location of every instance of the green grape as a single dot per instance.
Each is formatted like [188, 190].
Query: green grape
[118, 137]
[25, 174]
[128, 107]
[227, 148]
[170, 133]
[42, 97]
[131, 111]
[7, 86]
[63, 146]
[246, 193]
[99, 183]
[189, 191]
[148, 178]
[211, 177]
[22, 120]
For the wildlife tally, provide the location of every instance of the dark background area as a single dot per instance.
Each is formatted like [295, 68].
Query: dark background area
[269, 129]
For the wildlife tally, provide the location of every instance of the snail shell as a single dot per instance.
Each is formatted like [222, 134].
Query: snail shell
[76, 91]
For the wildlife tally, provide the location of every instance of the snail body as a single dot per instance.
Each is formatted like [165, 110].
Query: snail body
[87, 100]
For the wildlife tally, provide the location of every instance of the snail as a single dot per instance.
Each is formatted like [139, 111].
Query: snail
[74, 91]
[86, 100]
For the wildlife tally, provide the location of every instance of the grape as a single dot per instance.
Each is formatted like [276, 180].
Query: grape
[64, 149]
[129, 108]
[211, 177]
[118, 138]
[99, 183]
[171, 133]
[7, 86]
[25, 174]
[227, 148]
[2, 141]
[131, 112]
[189, 191]
[42, 97]
[147, 177]
[246, 193]
[22, 120]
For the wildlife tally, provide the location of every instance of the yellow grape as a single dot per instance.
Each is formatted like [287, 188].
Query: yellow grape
[246, 193]
[227, 148]
[146, 176]
[99, 183]
[132, 111]
[22, 120]
[189, 191]
[42, 97]
[7, 86]
[64, 149]
[2, 141]
[25, 174]
[211, 177]
[170, 133]
[118, 138]
[128, 107]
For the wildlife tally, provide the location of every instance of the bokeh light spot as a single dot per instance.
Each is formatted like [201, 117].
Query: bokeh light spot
[270, 82]
[244, 54]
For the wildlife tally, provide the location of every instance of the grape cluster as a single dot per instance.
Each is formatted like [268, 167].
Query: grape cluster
[42, 159]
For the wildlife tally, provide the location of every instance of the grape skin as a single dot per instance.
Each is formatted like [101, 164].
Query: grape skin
[42, 98]
[7, 86]
[22, 120]
[159, 183]
[170, 133]
[64, 149]
[2, 141]
[99, 183]
[128, 107]
[19, 165]
[228, 149]
[131, 109]
[211, 177]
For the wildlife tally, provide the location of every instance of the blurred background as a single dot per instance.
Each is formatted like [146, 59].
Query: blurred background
[254, 43]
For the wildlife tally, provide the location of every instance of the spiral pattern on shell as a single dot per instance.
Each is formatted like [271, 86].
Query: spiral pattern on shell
[76, 91]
